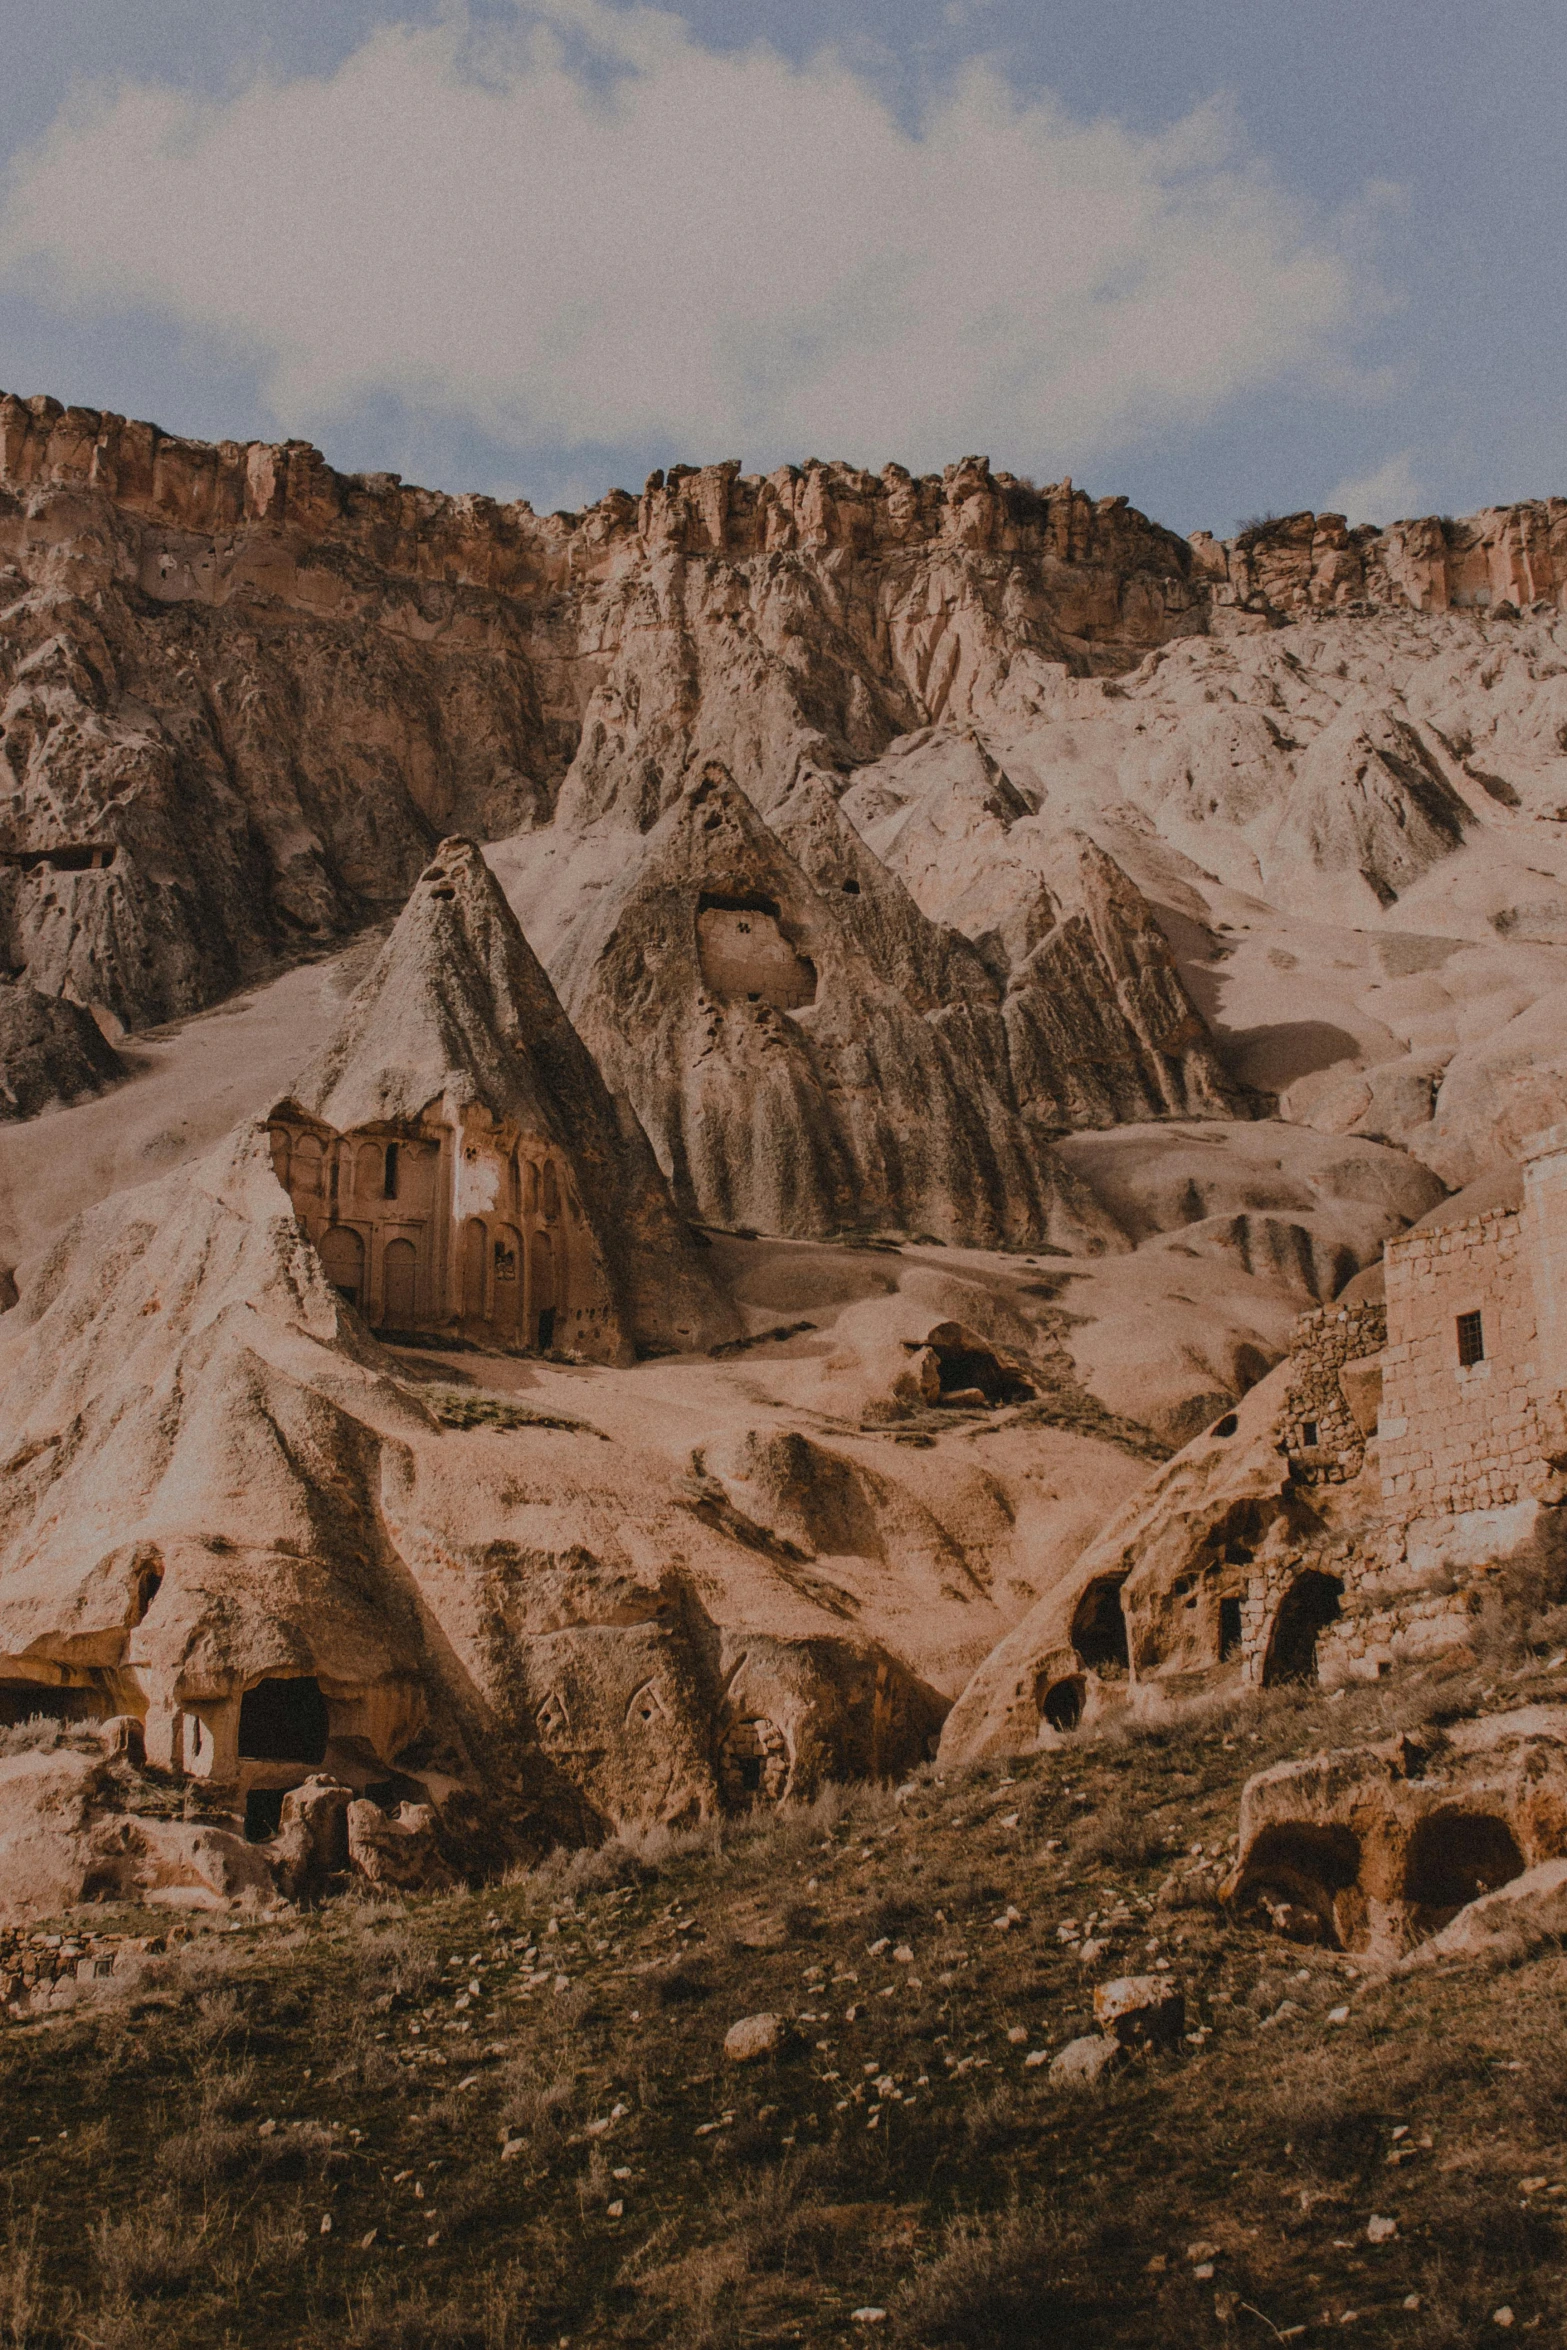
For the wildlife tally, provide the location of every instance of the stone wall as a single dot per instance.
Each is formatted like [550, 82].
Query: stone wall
[1458, 1437]
[1320, 1434]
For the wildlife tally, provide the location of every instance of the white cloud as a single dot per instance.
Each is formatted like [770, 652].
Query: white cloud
[725, 254]
[1391, 494]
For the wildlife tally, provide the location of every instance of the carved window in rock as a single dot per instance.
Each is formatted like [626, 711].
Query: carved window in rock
[552, 1718]
[343, 1261]
[306, 1172]
[529, 1178]
[1454, 1858]
[1060, 1702]
[1230, 1629]
[400, 1285]
[26, 1701]
[391, 1171]
[475, 1247]
[551, 1194]
[646, 1708]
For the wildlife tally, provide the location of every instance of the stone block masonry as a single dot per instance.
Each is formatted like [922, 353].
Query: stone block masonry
[1320, 1434]
[1455, 1435]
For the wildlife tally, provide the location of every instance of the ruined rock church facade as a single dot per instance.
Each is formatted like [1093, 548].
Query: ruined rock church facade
[454, 1224]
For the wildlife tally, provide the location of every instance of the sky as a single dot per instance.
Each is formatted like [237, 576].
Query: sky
[1227, 257]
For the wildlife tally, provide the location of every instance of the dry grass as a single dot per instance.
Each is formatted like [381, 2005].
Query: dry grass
[901, 2155]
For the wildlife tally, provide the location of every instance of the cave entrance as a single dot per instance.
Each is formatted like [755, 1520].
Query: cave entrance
[1060, 1702]
[1453, 1858]
[283, 1720]
[966, 1367]
[1099, 1627]
[32, 1701]
[1298, 1875]
[263, 1814]
[1307, 1608]
[753, 1763]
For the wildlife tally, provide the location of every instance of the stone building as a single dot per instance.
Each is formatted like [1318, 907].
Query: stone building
[1361, 1504]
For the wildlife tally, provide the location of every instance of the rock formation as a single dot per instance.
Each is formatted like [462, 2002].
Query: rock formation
[1073, 950]
[50, 1051]
[456, 1158]
[1365, 1503]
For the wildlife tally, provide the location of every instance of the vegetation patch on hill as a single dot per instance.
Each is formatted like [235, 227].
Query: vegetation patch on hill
[505, 2119]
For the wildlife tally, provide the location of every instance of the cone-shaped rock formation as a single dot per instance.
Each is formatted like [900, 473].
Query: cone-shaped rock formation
[460, 1164]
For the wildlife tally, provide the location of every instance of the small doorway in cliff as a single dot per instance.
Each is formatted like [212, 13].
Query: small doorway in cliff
[1454, 1857]
[475, 1243]
[343, 1261]
[283, 1720]
[541, 1267]
[753, 1763]
[1306, 1610]
[1060, 1702]
[400, 1284]
[1099, 1627]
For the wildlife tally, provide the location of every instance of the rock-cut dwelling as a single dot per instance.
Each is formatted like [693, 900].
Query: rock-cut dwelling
[454, 1221]
[1357, 1507]
[458, 1162]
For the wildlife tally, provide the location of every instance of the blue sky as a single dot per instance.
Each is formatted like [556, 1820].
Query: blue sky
[1225, 256]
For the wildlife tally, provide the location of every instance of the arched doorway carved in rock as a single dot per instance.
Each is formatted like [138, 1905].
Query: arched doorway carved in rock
[400, 1284]
[1099, 1626]
[475, 1242]
[507, 1309]
[545, 1303]
[1307, 1608]
[342, 1255]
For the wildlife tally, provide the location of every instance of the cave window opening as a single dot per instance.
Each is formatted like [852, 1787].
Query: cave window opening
[1227, 1426]
[851, 889]
[284, 1720]
[148, 1584]
[1229, 1629]
[389, 1187]
[263, 1814]
[1099, 1627]
[1061, 1704]
[1454, 1857]
[1306, 1610]
[1471, 1340]
[1308, 1434]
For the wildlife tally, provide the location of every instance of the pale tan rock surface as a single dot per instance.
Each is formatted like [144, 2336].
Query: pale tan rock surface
[1153, 922]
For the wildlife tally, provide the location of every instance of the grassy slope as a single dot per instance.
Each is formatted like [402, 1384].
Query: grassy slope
[964, 2195]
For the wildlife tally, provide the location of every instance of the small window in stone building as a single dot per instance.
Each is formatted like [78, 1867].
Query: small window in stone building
[1308, 1433]
[1229, 1628]
[1471, 1339]
[390, 1187]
